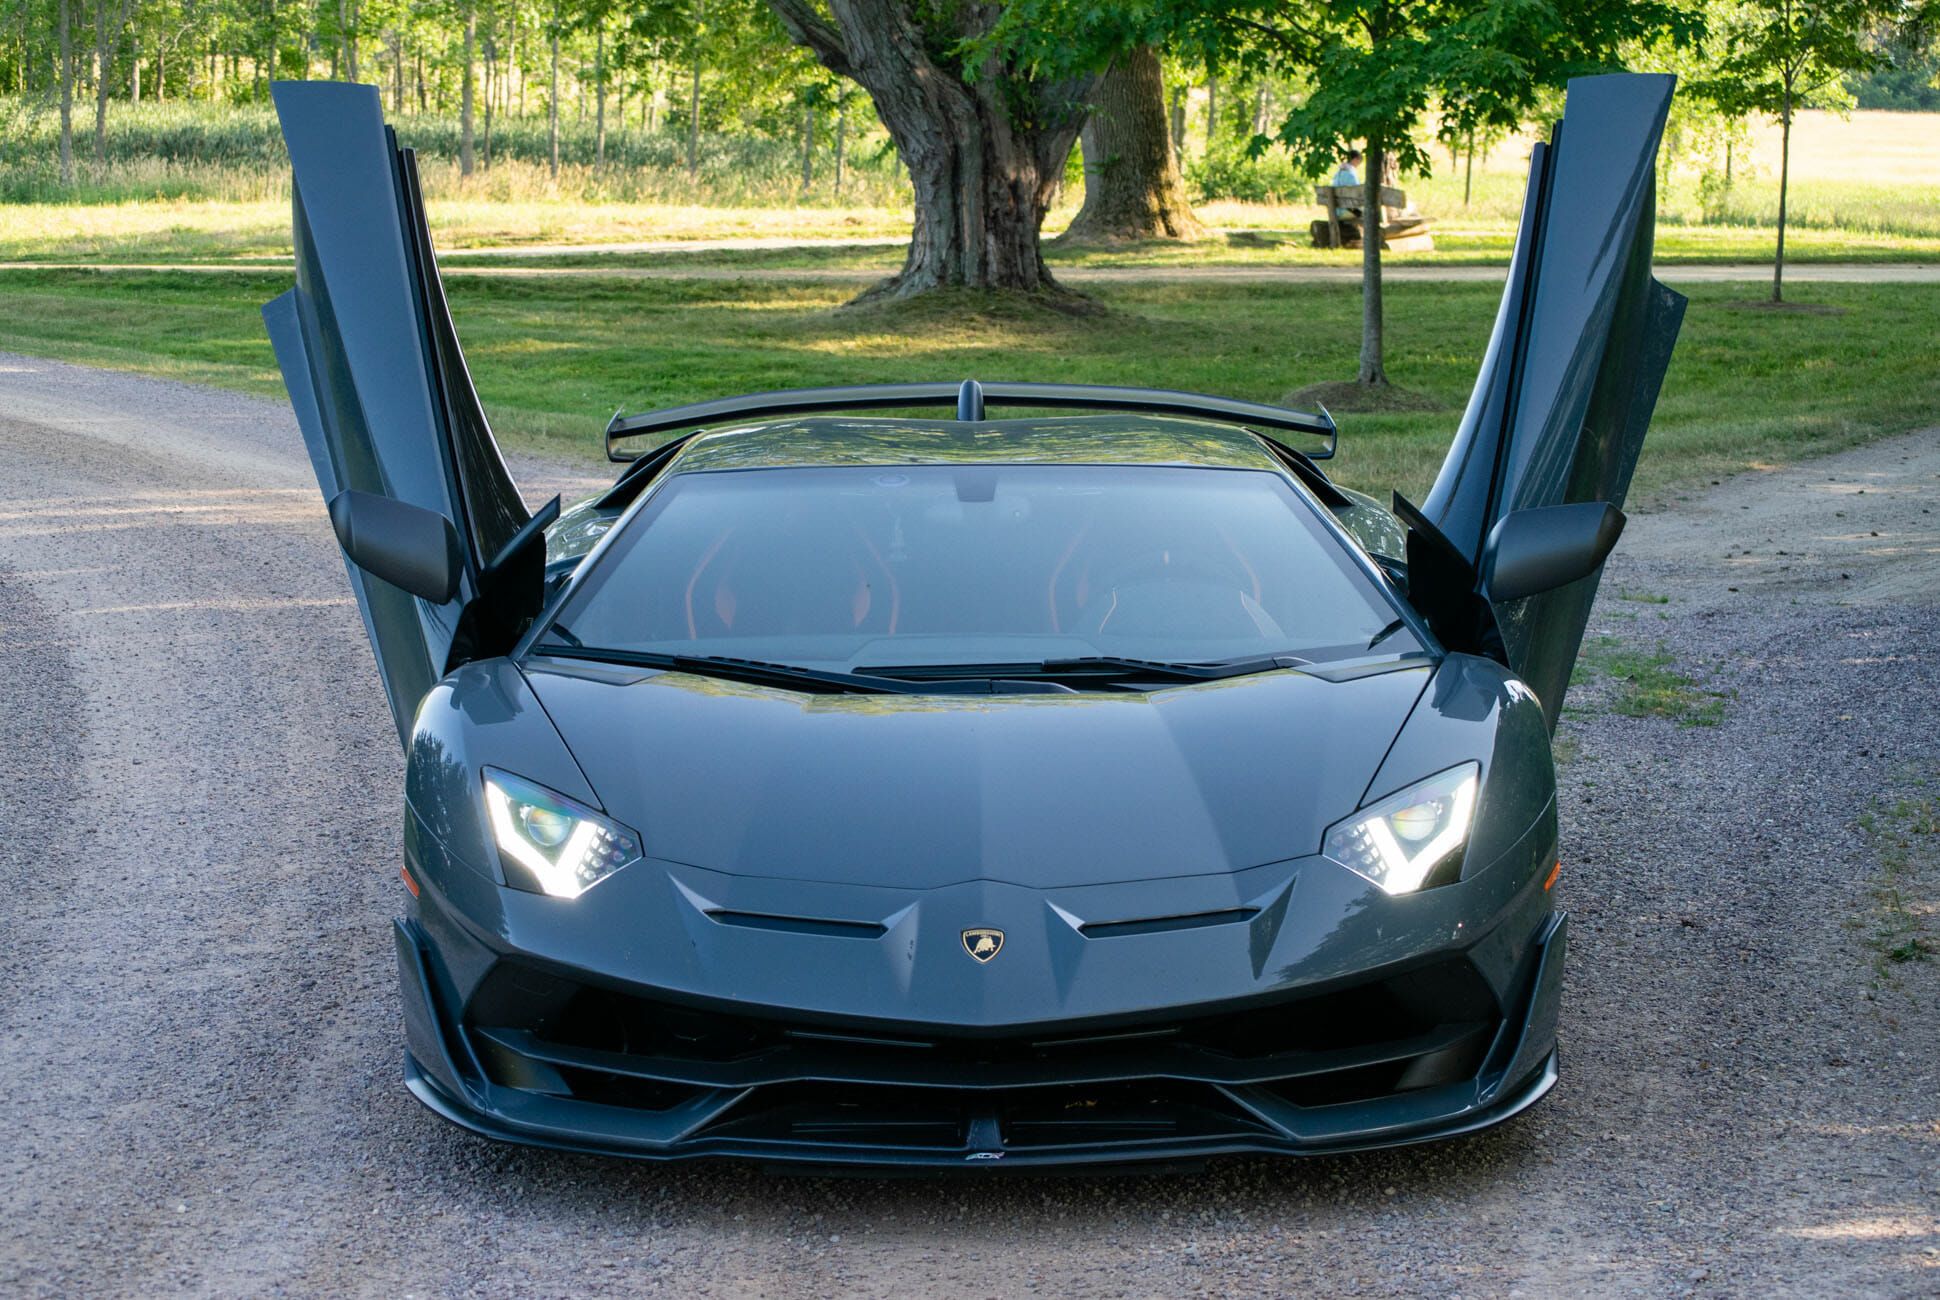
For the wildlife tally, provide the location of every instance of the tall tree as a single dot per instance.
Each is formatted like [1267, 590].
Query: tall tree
[67, 93]
[347, 33]
[1784, 55]
[552, 97]
[694, 90]
[1133, 190]
[110, 21]
[1378, 66]
[599, 94]
[984, 136]
[465, 159]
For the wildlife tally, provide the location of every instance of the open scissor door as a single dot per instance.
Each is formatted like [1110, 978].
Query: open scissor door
[1579, 351]
[380, 388]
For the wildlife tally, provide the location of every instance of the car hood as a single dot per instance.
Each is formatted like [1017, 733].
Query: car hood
[923, 791]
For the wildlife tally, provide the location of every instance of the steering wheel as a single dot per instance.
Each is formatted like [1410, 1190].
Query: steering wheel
[1156, 566]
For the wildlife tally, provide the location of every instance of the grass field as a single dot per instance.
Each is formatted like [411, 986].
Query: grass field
[188, 184]
[1749, 388]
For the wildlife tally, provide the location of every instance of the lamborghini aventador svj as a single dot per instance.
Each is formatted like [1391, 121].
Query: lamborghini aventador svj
[863, 779]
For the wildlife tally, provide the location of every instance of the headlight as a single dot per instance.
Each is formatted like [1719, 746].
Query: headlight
[550, 844]
[1399, 842]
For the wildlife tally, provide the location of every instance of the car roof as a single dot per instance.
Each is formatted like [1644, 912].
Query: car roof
[1114, 439]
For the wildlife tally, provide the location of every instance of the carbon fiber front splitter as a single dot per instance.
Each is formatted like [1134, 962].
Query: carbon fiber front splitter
[1519, 1073]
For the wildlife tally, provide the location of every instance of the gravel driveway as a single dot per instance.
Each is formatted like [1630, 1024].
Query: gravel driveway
[199, 1026]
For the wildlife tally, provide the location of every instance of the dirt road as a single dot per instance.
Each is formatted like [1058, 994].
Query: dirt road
[199, 1028]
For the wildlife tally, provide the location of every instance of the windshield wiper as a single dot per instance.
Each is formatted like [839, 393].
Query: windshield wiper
[1387, 632]
[1092, 669]
[760, 672]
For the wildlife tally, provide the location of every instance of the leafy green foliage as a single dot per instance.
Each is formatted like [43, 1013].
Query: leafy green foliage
[1779, 56]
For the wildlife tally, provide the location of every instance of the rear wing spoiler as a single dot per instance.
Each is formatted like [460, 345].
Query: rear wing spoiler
[970, 399]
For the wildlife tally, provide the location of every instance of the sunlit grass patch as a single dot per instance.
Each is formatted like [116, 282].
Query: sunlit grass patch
[553, 358]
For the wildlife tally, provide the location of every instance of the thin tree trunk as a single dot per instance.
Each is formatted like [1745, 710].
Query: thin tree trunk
[1468, 177]
[491, 91]
[134, 69]
[397, 71]
[552, 98]
[100, 81]
[808, 143]
[465, 159]
[424, 104]
[1133, 190]
[347, 19]
[1212, 110]
[599, 96]
[67, 96]
[694, 117]
[1784, 183]
[1373, 371]
[841, 141]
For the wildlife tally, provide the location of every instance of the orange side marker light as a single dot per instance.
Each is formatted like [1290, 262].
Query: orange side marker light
[1554, 872]
[412, 885]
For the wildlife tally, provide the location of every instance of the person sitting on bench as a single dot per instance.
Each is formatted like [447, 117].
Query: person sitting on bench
[1348, 173]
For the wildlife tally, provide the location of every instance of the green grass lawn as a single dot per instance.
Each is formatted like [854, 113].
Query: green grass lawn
[191, 182]
[553, 358]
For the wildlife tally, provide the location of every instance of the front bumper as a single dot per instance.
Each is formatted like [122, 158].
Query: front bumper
[1405, 1055]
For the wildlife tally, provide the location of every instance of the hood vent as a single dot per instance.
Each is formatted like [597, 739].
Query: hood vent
[1164, 924]
[798, 924]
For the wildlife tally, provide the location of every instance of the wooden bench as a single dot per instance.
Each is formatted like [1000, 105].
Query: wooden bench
[1403, 228]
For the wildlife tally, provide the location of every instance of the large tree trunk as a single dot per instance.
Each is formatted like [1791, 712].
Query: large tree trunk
[1133, 190]
[1373, 371]
[985, 153]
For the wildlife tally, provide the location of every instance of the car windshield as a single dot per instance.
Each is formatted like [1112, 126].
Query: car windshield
[853, 568]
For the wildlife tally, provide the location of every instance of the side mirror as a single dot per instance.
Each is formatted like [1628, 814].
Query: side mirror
[405, 545]
[1538, 550]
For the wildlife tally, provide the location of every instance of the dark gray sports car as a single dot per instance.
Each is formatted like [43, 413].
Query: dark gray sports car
[1099, 785]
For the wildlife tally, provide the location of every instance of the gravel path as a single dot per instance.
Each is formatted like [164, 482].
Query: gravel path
[198, 790]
